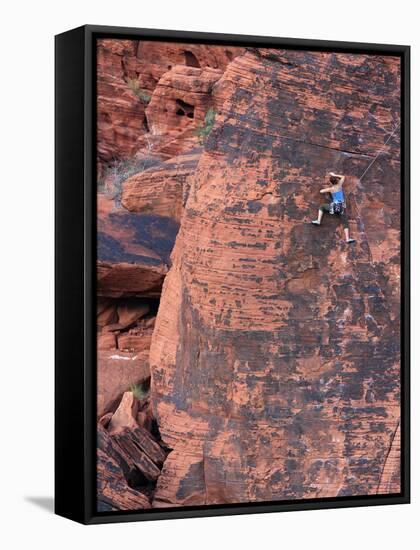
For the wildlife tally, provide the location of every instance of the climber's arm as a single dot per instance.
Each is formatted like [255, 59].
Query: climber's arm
[327, 190]
[340, 176]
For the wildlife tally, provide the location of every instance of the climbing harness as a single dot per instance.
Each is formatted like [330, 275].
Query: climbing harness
[338, 204]
[337, 207]
[381, 151]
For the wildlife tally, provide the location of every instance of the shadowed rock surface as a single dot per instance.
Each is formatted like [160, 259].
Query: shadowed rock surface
[275, 357]
[132, 252]
[113, 491]
[129, 458]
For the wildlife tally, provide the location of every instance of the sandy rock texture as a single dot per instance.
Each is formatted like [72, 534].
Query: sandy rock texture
[162, 190]
[274, 350]
[132, 251]
[153, 99]
[140, 87]
[275, 355]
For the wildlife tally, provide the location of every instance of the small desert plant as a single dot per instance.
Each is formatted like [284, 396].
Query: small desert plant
[120, 170]
[139, 391]
[204, 131]
[134, 86]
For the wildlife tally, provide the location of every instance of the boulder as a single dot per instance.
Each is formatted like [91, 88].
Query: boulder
[161, 190]
[181, 100]
[113, 492]
[133, 252]
[125, 415]
[116, 372]
[139, 279]
[127, 441]
[135, 451]
[126, 449]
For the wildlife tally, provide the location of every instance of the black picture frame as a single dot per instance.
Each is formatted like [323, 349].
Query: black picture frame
[75, 252]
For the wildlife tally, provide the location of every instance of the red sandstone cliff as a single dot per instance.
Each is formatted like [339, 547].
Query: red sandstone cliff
[152, 100]
[275, 357]
[275, 354]
[151, 92]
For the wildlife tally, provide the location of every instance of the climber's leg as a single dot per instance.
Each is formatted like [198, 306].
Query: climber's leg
[345, 221]
[318, 221]
[347, 235]
[323, 208]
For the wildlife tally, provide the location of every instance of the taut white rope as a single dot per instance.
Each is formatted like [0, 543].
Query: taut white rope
[381, 151]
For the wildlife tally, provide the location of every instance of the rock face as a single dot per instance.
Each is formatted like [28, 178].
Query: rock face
[275, 353]
[161, 190]
[275, 356]
[152, 100]
[133, 251]
[117, 372]
[129, 72]
[113, 491]
[120, 119]
[181, 98]
[129, 460]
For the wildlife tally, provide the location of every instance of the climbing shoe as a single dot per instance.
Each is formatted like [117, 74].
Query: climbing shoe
[316, 222]
[349, 241]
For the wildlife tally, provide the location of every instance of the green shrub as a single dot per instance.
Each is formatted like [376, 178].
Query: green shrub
[203, 131]
[139, 391]
[120, 170]
[134, 86]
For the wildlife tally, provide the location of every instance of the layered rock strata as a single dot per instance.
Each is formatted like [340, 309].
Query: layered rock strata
[275, 353]
[275, 357]
[128, 74]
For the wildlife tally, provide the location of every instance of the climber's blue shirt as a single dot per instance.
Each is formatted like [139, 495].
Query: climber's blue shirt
[338, 196]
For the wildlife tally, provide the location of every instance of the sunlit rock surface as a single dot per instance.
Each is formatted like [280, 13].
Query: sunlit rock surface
[275, 357]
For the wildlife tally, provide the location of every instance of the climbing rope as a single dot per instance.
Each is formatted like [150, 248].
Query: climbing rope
[381, 151]
[354, 201]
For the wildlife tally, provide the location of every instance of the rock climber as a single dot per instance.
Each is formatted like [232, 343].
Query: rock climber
[337, 206]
